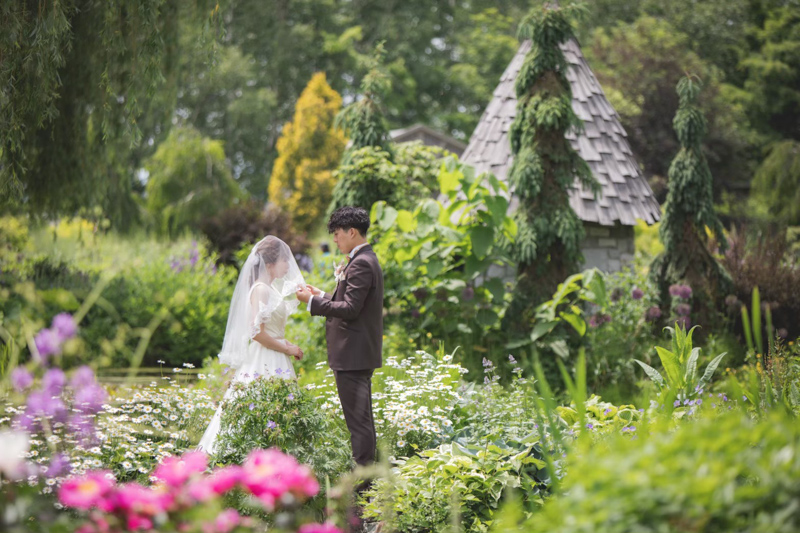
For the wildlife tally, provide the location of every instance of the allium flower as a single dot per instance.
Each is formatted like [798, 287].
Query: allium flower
[685, 292]
[653, 313]
[42, 403]
[175, 471]
[82, 377]
[90, 399]
[53, 381]
[59, 466]
[637, 293]
[65, 326]
[783, 333]
[85, 492]
[47, 343]
[675, 290]
[327, 527]
[21, 379]
[683, 309]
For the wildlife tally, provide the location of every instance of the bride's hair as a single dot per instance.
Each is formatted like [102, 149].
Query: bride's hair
[270, 250]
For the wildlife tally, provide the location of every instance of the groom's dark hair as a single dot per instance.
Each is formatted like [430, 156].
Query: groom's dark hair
[349, 217]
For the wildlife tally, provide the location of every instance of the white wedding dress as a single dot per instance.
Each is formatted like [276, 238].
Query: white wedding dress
[260, 361]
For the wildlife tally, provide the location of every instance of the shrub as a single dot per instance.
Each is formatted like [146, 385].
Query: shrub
[756, 260]
[729, 473]
[246, 224]
[276, 412]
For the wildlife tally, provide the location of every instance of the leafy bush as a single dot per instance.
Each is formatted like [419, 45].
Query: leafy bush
[276, 412]
[729, 473]
[470, 480]
[248, 223]
[757, 260]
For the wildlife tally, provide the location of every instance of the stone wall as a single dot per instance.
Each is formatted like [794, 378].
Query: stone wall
[608, 248]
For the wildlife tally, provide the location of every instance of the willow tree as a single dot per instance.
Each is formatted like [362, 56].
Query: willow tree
[76, 78]
[689, 215]
[545, 166]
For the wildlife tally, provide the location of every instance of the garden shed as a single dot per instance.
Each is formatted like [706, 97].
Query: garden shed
[626, 196]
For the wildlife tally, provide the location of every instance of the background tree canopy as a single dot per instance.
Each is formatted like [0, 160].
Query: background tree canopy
[88, 90]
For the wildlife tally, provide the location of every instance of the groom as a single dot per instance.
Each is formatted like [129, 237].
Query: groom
[353, 326]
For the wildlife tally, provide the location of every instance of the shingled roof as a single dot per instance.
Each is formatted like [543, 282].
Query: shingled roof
[603, 144]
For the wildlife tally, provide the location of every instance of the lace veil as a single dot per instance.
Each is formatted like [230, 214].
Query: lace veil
[269, 279]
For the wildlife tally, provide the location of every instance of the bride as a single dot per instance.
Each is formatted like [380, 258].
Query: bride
[254, 343]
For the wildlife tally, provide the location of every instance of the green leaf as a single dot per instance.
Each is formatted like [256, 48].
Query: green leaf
[560, 348]
[482, 238]
[691, 365]
[497, 288]
[652, 372]
[540, 329]
[498, 207]
[711, 368]
[576, 321]
[434, 268]
[449, 181]
[671, 366]
[405, 221]
[389, 216]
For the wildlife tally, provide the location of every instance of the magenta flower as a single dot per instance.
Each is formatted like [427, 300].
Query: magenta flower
[134, 499]
[53, 381]
[637, 293]
[327, 527]
[47, 343]
[201, 490]
[686, 292]
[21, 379]
[59, 466]
[87, 491]
[65, 326]
[224, 479]
[270, 474]
[175, 471]
[653, 313]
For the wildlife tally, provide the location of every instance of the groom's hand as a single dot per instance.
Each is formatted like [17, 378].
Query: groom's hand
[303, 294]
[314, 291]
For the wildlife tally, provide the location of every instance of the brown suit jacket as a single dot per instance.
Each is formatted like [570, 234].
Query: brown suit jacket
[354, 325]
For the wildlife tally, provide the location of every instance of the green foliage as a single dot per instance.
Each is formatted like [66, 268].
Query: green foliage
[545, 166]
[277, 412]
[189, 181]
[435, 258]
[401, 178]
[777, 182]
[743, 478]
[683, 380]
[468, 480]
[77, 78]
[363, 121]
[689, 214]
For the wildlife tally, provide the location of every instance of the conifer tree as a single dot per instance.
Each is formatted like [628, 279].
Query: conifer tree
[309, 149]
[545, 166]
[689, 214]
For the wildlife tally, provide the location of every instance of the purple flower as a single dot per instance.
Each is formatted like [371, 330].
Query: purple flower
[252, 406]
[783, 333]
[48, 343]
[42, 403]
[677, 403]
[468, 294]
[606, 412]
[53, 381]
[589, 426]
[59, 466]
[487, 363]
[90, 399]
[290, 397]
[81, 425]
[675, 290]
[65, 325]
[511, 359]
[271, 425]
[653, 313]
[683, 309]
[486, 380]
[415, 313]
[21, 379]
[637, 293]
[82, 377]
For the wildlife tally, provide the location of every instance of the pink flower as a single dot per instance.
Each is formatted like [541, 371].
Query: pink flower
[21, 379]
[270, 474]
[327, 527]
[47, 343]
[87, 491]
[227, 521]
[82, 377]
[226, 478]
[139, 522]
[133, 498]
[175, 471]
[201, 490]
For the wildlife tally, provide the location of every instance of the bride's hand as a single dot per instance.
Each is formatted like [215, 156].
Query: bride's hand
[294, 351]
